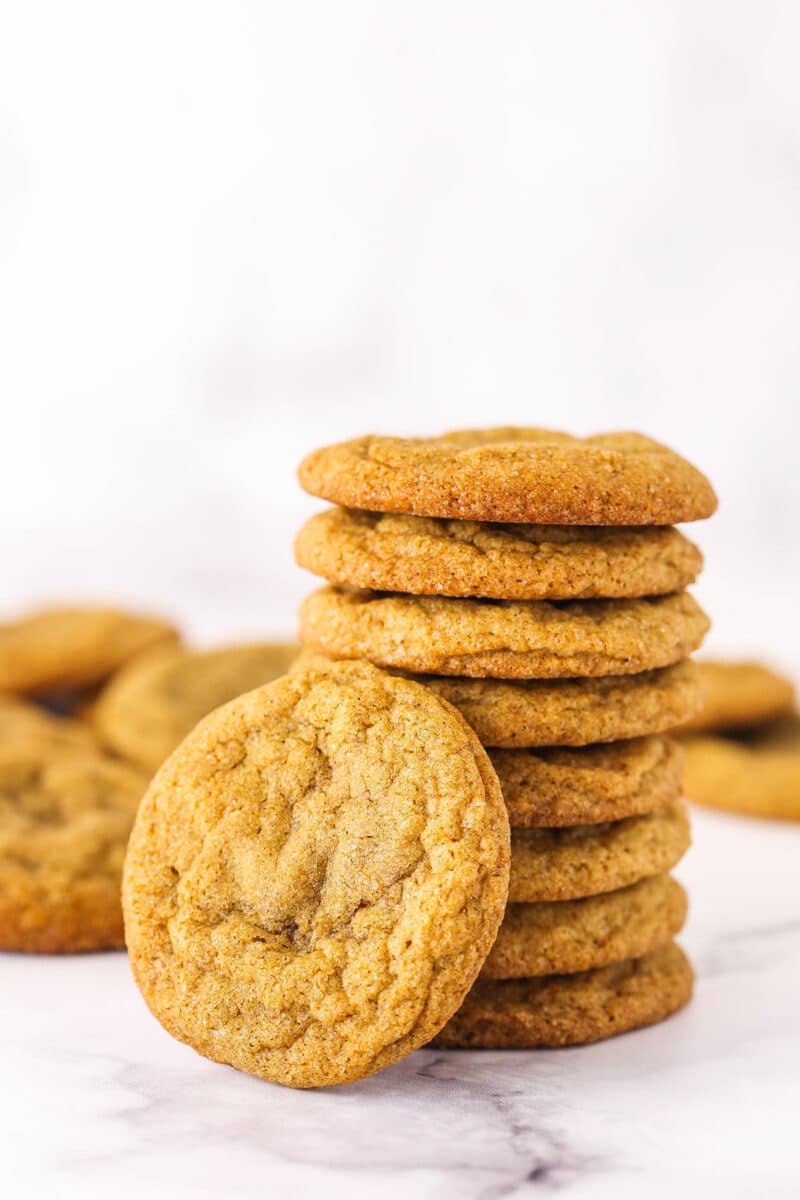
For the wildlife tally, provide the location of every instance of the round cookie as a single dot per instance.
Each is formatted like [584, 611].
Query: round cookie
[738, 695]
[316, 876]
[64, 826]
[562, 786]
[149, 707]
[582, 860]
[64, 649]
[572, 1010]
[757, 774]
[518, 713]
[26, 724]
[523, 475]
[521, 639]
[565, 936]
[429, 557]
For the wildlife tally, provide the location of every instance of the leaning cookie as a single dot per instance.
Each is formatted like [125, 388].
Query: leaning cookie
[572, 1010]
[424, 556]
[65, 818]
[66, 649]
[513, 474]
[531, 639]
[316, 876]
[150, 706]
[756, 774]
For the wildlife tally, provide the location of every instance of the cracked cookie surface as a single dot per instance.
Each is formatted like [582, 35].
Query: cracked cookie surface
[503, 638]
[150, 706]
[580, 786]
[737, 695]
[518, 713]
[60, 649]
[582, 860]
[64, 826]
[513, 474]
[571, 1010]
[316, 876]
[564, 936]
[429, 557]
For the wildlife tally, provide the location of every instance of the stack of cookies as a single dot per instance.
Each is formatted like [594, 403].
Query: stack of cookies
[535, 581]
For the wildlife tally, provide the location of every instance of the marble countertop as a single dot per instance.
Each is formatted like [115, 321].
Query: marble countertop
[97, 1100]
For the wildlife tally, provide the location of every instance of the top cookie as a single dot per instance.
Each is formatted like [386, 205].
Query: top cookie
[151, 705]
[316, 876]
[533, 476]
[738, 695]
[430, 557]
[59, 649]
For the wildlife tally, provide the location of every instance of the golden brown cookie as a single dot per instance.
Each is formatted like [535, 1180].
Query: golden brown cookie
[564, 936]
[60, 649]
[565, 786]
[535, 476]
[572, 1010]
[429, 557]
[582, 860]
[25, 724]
[149, 707]
[64, 826]
[316, 876]
[521, 639]
[738, 695]
[756, 774]
[516, 713]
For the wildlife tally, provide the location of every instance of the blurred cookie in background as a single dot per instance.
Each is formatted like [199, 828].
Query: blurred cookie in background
[150, 706]
[65, 818]
[738, 695]
[57, 651]
[755, 772]
[23, 723]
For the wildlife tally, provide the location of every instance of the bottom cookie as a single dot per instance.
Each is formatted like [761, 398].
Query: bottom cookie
[571, 1010]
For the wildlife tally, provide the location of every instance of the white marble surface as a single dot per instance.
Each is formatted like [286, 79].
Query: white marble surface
[98, 1101]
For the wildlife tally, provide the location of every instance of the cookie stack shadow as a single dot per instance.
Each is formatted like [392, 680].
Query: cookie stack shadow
[536, 581]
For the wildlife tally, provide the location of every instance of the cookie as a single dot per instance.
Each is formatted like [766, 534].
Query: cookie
[532, 476]
[430, 557]
[582, 860]
[149, 707]
[61, 649]
[511, 639]
[572, 1010]
[26, 724]
[756, 774]
[565, 936]
[562, 786]
[64, 826]
[740, 694]
[316, 876]
[516, 713]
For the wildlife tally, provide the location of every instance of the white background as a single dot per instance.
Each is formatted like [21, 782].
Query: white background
[230, 232]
